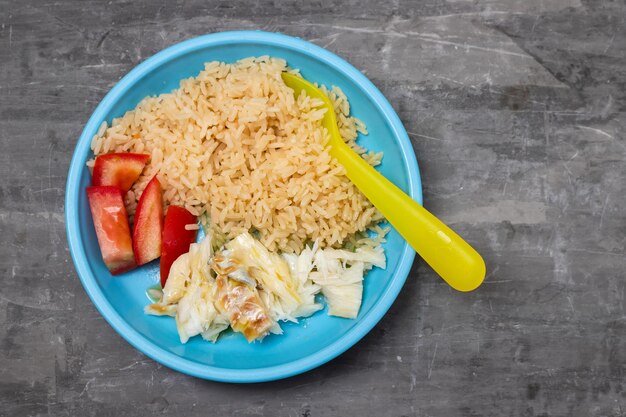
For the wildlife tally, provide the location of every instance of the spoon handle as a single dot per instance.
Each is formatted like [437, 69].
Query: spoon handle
[445, 251]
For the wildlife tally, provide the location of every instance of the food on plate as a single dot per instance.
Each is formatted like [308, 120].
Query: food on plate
[245, 286]
[111, 224]
[148, 229]
[118, 169]
[153, 236]
[235, 151]
[114, 174]
[243, 307]
[234, 143]
[179, 231]
[339, 273]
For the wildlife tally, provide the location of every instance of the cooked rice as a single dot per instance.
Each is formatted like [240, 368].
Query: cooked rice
[235, 144]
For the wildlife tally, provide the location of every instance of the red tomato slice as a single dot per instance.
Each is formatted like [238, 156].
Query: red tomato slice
[119, 169]
[111, 224]
[176, 240]
[148, 223]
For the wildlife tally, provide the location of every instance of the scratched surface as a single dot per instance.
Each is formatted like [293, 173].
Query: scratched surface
[516, 110]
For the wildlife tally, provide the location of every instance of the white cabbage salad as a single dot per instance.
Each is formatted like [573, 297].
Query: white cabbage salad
[244, 286]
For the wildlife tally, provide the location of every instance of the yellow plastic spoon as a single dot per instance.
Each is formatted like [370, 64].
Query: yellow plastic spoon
[446, 252]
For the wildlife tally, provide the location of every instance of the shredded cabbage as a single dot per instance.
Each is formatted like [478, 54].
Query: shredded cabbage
[247, 287]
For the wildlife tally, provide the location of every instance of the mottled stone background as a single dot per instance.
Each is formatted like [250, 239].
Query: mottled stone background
[516, 110]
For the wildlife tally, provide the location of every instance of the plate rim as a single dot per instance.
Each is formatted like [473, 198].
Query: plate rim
[364, 324]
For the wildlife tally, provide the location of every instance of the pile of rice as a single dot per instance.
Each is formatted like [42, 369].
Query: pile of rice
[233, 143]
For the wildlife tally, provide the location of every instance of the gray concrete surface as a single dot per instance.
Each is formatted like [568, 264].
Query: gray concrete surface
[516, 110]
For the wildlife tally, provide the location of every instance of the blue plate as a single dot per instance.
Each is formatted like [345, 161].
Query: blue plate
[303, 346]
